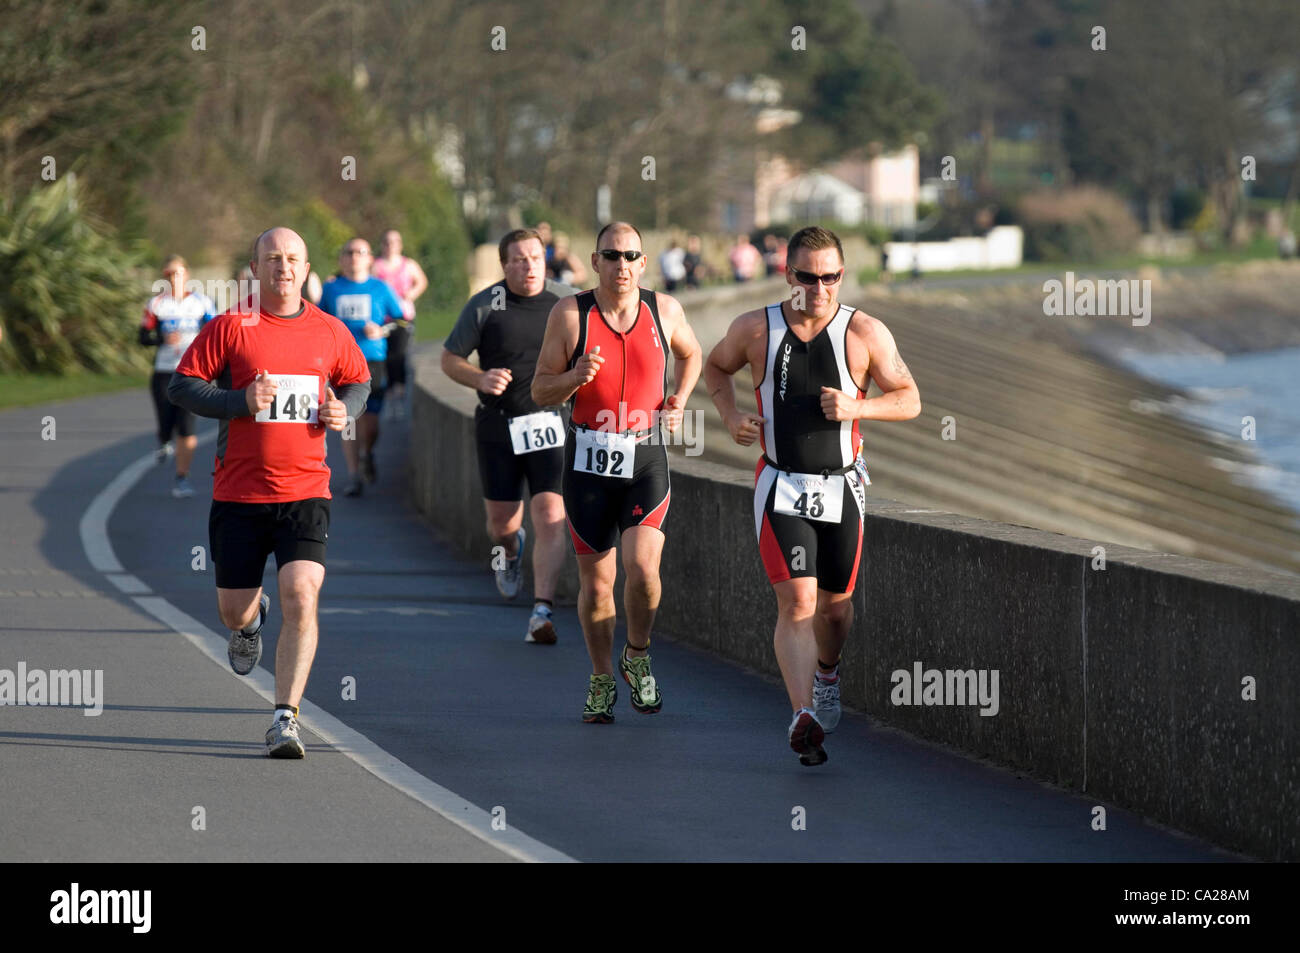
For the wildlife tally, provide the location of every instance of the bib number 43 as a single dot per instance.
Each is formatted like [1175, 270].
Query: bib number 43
[811, 496]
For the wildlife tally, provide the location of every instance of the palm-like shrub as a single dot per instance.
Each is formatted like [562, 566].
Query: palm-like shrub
[69, 300]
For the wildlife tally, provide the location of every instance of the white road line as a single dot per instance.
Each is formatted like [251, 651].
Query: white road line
[349, 742]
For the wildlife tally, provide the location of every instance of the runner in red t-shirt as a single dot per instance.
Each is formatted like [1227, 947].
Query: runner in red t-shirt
[271, 379]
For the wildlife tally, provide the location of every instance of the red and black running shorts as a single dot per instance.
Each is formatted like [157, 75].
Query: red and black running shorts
[600, 508]
[796, 546]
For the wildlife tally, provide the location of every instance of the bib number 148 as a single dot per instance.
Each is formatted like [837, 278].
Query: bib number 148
[296, 400]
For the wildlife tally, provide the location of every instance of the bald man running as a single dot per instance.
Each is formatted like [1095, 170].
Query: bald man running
[607, 350]
[276, 379]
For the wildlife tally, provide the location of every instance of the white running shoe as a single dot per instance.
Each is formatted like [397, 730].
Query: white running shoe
[541, 626]
[826, 701]
[508, 579]
[282, 739]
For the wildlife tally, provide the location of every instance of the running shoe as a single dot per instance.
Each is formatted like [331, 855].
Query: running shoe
[646, 697]
[162, 453]
[354, 487]
[368, 468]
[541, 627]
[508, 579]
[282, 739]
[243, 650]
[826, 701]
[601, 696]
[806, 737]
[182, 489]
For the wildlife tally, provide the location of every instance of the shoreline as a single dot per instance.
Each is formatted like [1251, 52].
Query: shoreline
[1046, 425]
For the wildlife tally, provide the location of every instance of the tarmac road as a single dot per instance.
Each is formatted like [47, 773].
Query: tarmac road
[450, 704]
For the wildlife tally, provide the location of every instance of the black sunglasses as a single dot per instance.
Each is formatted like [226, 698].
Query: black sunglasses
[613, 254]
[808, 278]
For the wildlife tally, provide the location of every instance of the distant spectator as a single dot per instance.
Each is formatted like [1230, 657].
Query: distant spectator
[544, 230]
[672, 265]
[745, 259]
[773, 255]
[1286, 244]
[563, 265]
[407, 280]
[404, 275]
[693, 263]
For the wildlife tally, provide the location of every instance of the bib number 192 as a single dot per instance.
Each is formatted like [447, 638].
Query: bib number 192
[604, 454]
[605, 462]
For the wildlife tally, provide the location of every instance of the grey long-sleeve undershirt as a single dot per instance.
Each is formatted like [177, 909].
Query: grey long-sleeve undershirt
[208, 400]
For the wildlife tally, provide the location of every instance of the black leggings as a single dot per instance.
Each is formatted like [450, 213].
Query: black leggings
[397, 341]
[171, 419]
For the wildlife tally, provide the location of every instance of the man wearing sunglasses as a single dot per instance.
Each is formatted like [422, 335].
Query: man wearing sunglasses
[607, 351]
[812, 360]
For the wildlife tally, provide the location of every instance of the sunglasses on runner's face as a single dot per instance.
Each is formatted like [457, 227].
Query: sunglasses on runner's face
[613, 254]
[808, 278]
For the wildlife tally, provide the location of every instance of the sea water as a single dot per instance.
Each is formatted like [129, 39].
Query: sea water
[1224, 394]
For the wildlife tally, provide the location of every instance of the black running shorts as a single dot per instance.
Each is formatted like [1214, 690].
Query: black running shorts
[503, 473]
[600, 508]
[242, 535]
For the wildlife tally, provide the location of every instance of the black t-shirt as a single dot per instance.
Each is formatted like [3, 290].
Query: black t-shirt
[508, 335]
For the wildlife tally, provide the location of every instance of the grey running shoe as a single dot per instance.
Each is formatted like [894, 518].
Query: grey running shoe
[182, 489]
[282, 739]
[354, 487]
[541, 626]
[245, 651]
[826, 701]
[508, 579]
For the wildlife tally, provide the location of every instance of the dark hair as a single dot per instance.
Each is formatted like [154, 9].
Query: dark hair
[616, 226]
[518, 235]
[814, 238]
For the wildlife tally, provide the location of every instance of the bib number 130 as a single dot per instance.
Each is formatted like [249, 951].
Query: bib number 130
[533, 432]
